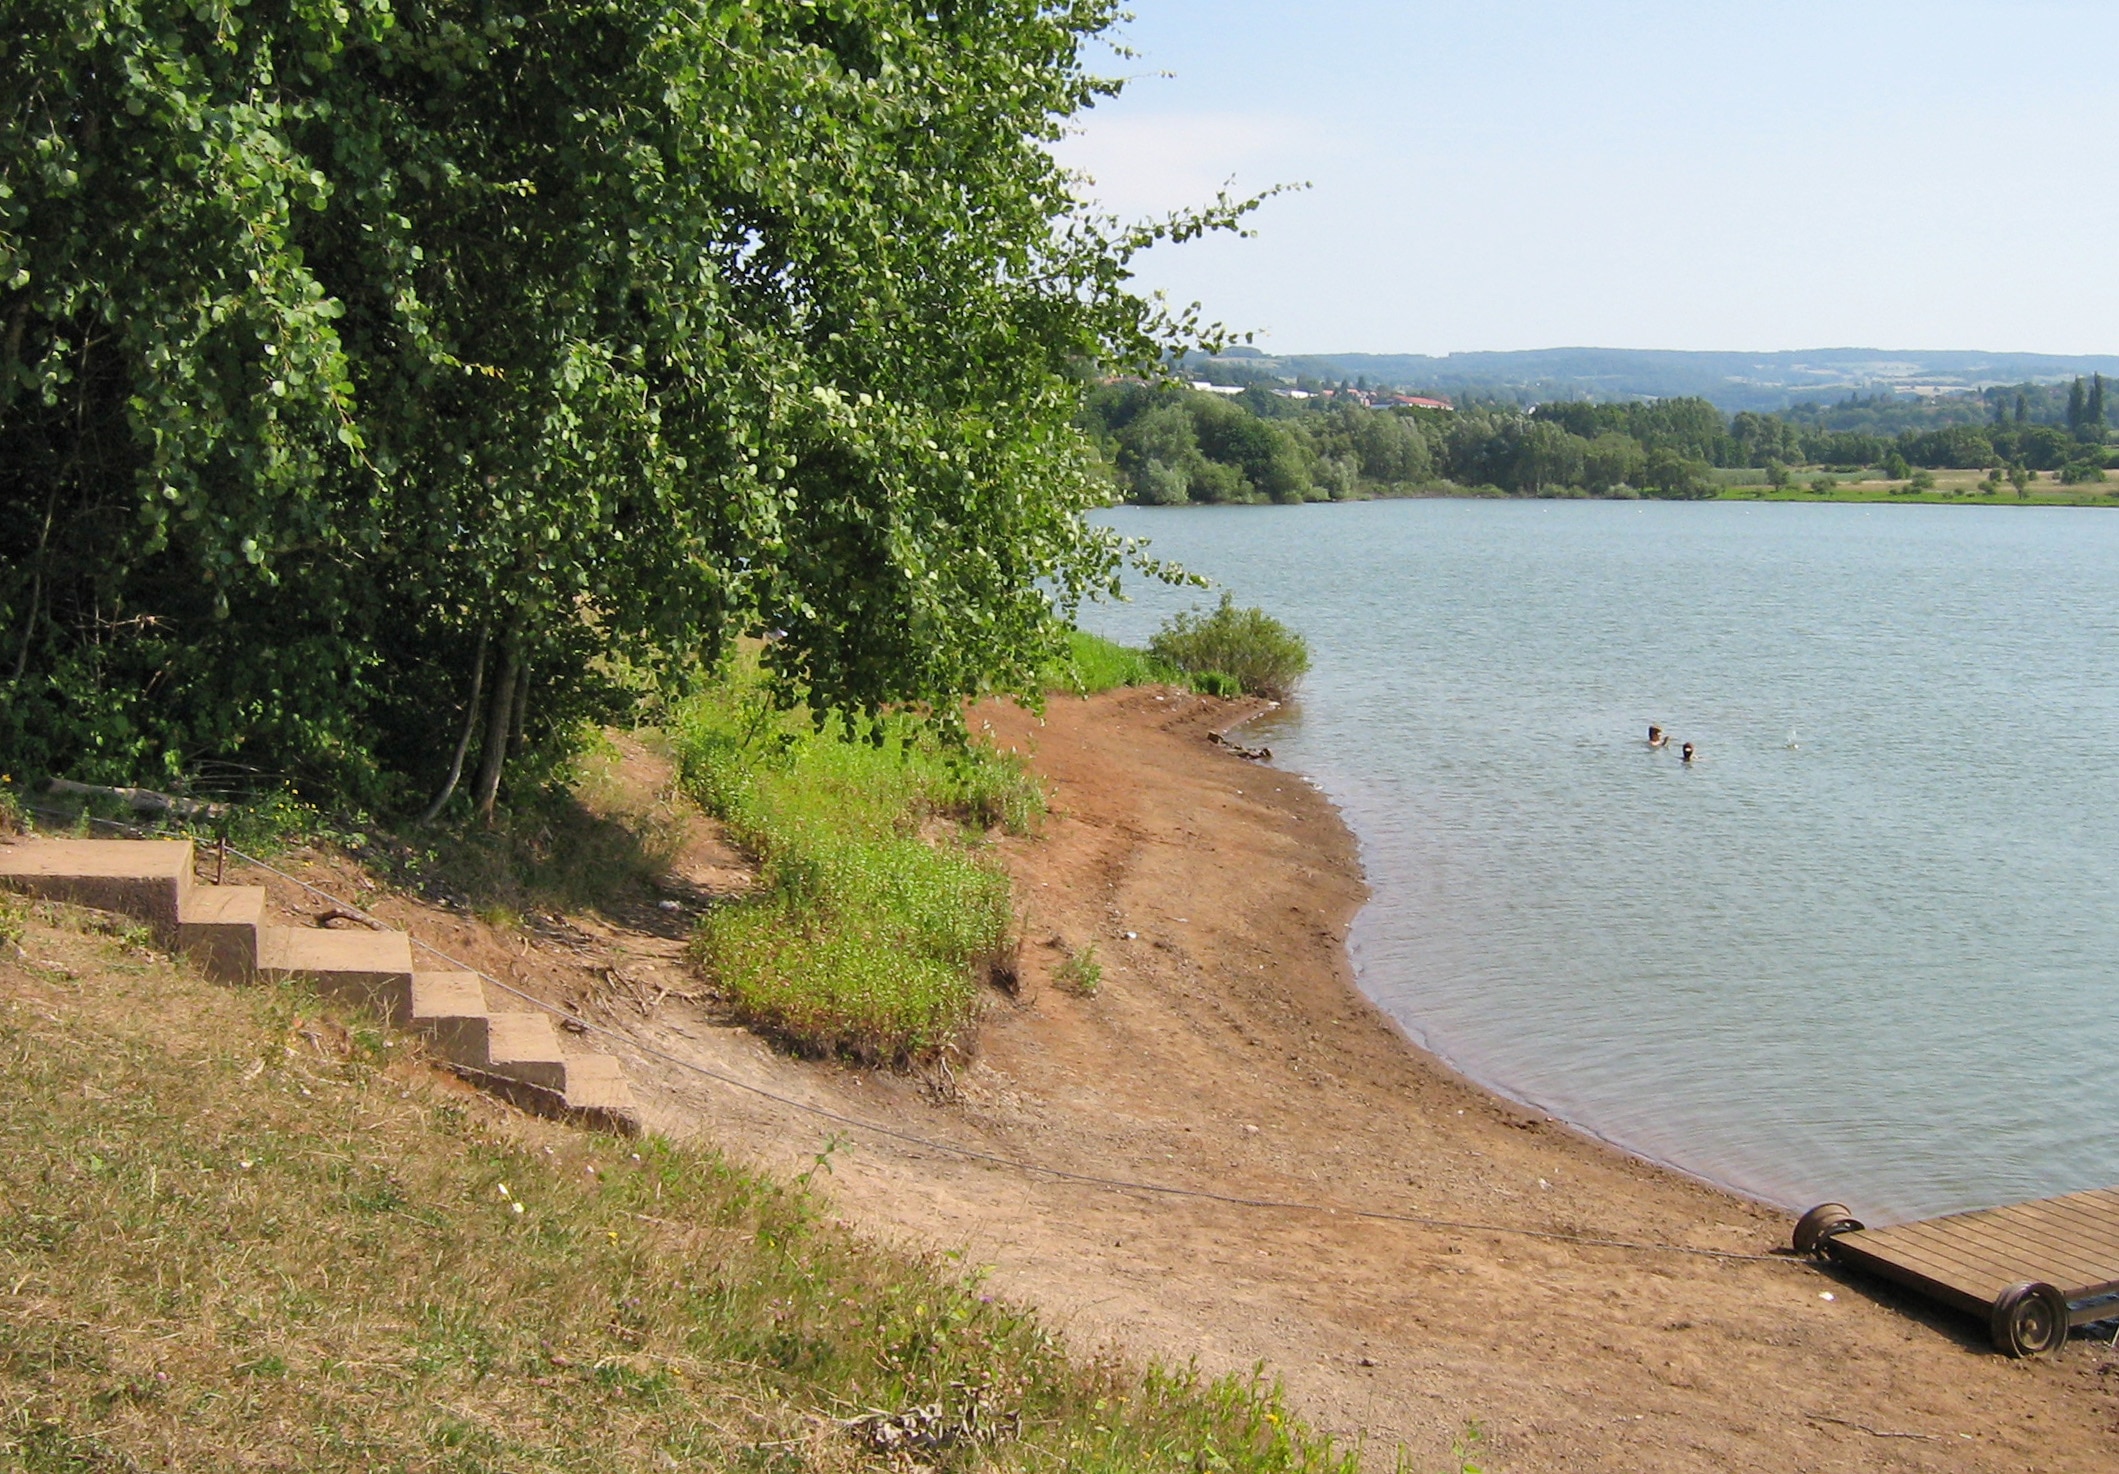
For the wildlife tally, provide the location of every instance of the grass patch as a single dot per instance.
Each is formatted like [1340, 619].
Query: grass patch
[1096, 664]
[1081, 974]
[1939, 488]
[878, 914]
[1264, 656]
[566, 847]
[236, 1229]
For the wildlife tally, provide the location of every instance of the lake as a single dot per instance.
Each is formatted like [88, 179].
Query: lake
[1865, 948]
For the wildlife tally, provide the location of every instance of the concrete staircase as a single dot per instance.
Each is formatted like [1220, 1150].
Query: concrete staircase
[223, 929]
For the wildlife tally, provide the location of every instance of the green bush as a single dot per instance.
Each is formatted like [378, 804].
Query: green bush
[1262, 655]
[868, 937]
[2076, 473]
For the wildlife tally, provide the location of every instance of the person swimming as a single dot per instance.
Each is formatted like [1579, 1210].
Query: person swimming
[1688, 752]
[1657, 737]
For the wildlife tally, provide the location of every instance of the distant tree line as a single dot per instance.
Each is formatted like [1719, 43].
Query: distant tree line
[1167, 445]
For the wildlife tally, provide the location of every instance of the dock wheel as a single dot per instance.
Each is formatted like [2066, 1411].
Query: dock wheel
[1820, 1224]
[2029, 1319]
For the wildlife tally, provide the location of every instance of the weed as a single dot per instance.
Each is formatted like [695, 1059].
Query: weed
[13, 921]
[1081, 974]
[1264, 656]
[877, 914]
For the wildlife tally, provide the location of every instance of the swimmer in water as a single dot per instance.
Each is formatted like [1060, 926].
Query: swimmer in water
[1688, 752]
[1657, 737]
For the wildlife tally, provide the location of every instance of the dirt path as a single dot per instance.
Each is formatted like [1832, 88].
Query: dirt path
[1228, 1051]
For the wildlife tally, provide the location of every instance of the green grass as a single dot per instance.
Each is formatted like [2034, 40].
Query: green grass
[1096, 664]
[1081, 973]
[240, 1229]
[879, 915]
[1951, 488]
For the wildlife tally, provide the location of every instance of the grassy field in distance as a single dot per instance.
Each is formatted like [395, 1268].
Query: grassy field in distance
[1950, 487]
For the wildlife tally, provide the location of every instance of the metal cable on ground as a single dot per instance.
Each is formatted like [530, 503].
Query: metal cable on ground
[1062, 1174]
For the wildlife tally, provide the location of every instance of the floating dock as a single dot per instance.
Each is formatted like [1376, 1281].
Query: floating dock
[2032, 1271]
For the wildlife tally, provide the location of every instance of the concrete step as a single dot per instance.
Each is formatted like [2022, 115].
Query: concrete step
[143, 878]
[596, 1082]
[217, 927]
[435, 996]
[371, 967]
[523, 1046]
[223, 929]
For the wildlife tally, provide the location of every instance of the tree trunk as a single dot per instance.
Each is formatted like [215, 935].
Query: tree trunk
[522, 708]
[36, 586]
[500, 716]
[463, 738]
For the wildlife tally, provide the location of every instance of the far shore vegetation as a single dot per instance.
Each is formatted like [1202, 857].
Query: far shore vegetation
[1169, 444]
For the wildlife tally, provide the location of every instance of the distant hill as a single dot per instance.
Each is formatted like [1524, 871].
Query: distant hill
[1732, 381]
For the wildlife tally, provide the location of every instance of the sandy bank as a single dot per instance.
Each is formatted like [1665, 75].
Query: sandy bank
[1227, 1050]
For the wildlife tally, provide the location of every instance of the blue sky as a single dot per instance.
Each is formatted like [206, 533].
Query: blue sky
[1529, 173]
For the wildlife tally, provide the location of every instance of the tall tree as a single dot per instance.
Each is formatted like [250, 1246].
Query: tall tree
[2093, 412]
[2077, 406]
[379, 372]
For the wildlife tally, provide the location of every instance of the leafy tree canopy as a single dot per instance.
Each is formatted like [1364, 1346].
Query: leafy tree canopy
[357, 357]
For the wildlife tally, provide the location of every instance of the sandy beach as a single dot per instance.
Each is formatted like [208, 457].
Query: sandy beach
[1227, 1051]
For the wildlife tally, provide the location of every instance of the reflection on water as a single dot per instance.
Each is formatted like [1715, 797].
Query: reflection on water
[1865, 948]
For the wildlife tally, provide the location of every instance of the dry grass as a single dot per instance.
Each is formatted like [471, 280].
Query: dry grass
[241, 1230]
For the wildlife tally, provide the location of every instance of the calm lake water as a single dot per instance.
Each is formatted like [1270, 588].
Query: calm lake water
[1866, 948]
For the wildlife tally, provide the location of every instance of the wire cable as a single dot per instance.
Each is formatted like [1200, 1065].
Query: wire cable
[1089, 1179]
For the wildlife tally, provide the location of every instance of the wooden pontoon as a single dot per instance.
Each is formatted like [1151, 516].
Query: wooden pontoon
[2033, 1270]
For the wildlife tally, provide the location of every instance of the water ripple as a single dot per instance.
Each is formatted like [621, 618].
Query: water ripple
[1876, 965]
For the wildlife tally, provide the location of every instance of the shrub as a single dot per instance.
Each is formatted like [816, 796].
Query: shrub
[1261, 654]
[2076, 473]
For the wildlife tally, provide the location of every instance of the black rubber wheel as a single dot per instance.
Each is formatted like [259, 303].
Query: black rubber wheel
[2029, 1319]
[1817, 1226]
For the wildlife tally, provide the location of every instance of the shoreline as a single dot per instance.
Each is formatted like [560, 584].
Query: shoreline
[1463, 1074]
[1230, 1054]
[2101, 500]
